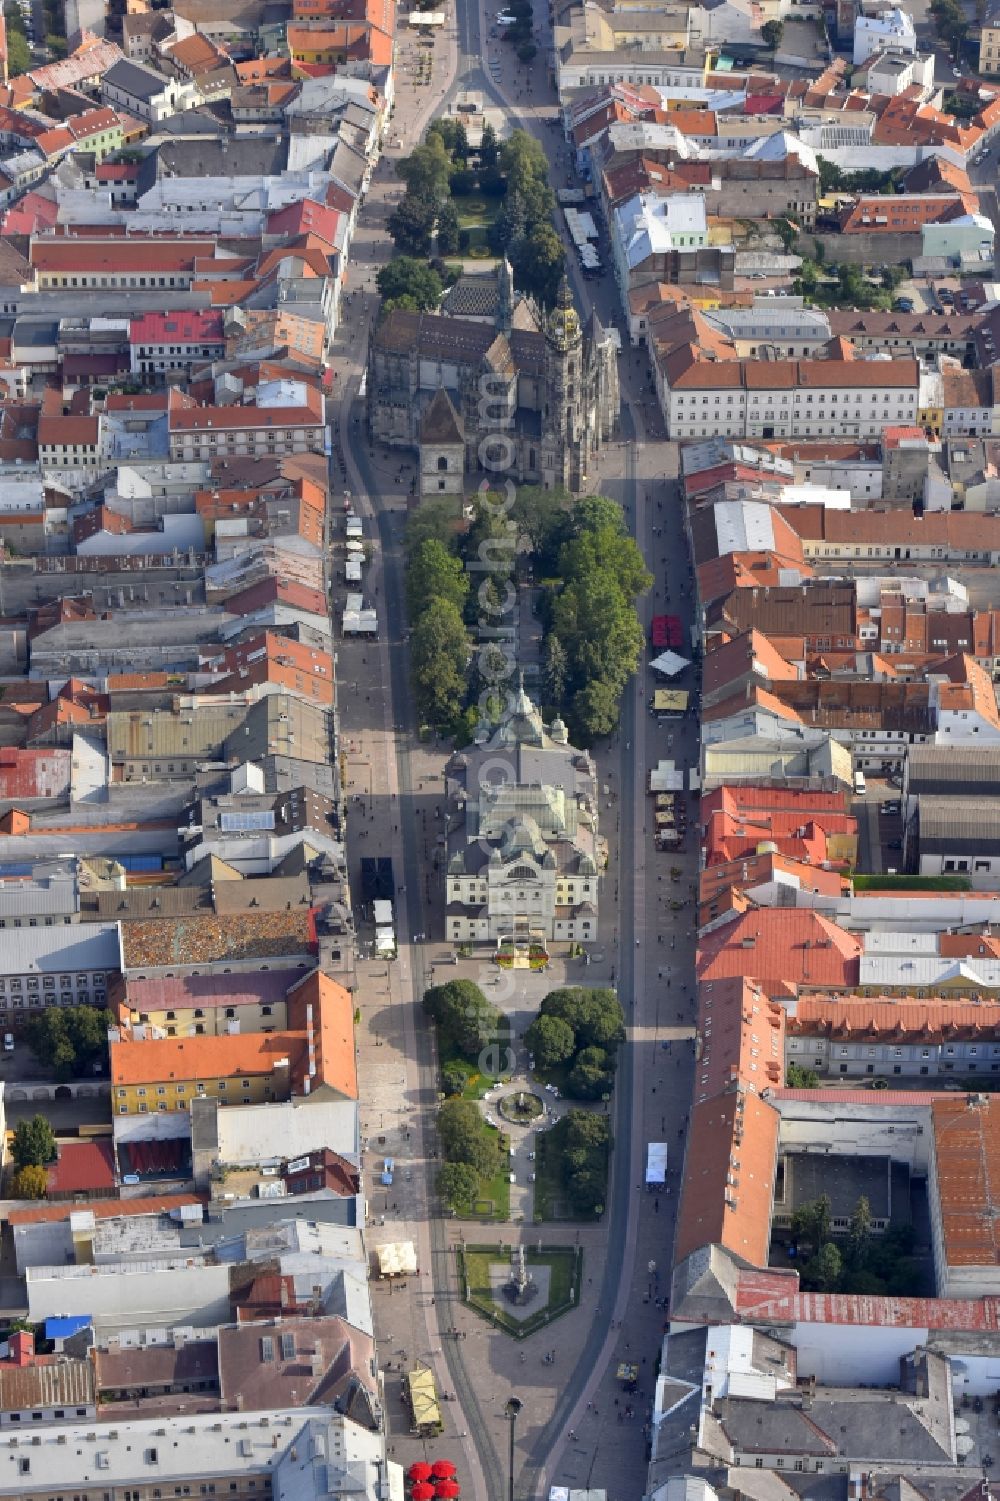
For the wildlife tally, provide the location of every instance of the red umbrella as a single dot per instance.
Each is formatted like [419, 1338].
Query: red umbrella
[422, 1491]
[419, 1471]
[443, 1469]
[447, 1490]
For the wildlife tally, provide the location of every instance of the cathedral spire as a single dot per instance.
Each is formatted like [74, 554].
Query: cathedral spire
[562, 327]
[505, 297]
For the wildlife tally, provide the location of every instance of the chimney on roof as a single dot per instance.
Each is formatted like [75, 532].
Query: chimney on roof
[22, 1348]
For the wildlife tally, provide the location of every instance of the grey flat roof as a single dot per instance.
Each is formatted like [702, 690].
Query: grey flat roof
[949, 823]
[65, 949]
[134, 79]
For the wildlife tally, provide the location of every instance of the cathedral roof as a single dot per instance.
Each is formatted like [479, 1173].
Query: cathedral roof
[526, 317]
[461, 340]
[499, 357]
[440, 422]
[472, 297]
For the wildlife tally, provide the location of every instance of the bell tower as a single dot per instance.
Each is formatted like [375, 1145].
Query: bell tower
[563, 403]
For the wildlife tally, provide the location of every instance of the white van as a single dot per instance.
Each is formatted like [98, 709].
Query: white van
[859, 784]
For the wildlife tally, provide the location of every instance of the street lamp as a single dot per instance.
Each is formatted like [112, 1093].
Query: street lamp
[512, 1408]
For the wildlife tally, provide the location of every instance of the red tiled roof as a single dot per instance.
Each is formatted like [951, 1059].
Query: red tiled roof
[104, 1209]
[783, 949]
[741, 1128]
[966, 1173]
[82, 1167]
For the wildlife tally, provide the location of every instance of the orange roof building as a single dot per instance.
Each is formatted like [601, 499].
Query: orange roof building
[722, 1204]
[784, 949]
[963, 1190]
[313, 1058]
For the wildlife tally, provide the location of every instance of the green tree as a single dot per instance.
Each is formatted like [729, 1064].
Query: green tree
[34, 1142]
[466, 1019]
[432, 518]
[466, 1138]
[523, 158]
[425, 171]
[448, 231]
[593, 614]
[859, 1234]
[69, 1039]
[18, 54]
[554, 670]
[586, 1187]
[488, 147]
[823, 1272]
[811, 1223]
[586, 1130]
[411, 224]
[454, 1077]
[433, 572]
[543, 516]
[439, 658]
[539, 261]
[579, 1145]
[29, 1182]
[551, 1040]
[527, 52]
[770, 34]
[490, 540]
[454, 136]
[593, 712]
[591, 1075]
[797, 1077]
[408, 277]
[595, 1015]
[458, 1185]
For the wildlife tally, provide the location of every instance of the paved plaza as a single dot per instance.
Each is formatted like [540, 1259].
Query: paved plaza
[573, 1429]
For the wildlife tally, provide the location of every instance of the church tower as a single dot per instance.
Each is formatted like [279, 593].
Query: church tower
[564, 397]
[505, 297]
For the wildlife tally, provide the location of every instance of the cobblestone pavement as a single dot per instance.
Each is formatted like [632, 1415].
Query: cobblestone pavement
[574, 1428]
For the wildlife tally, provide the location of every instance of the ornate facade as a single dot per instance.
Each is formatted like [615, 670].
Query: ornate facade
[533, 395]
[523, 848]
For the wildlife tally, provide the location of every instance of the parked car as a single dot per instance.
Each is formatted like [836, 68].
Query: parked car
[895, 844]
[8, 1042]
[903, 305]
[890, 807]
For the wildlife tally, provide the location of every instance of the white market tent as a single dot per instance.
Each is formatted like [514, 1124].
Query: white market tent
[383, 913]
[396, 1259]
[425, 18]
[385, 941]
[664, 777]
[656, 1162]
[670, 663]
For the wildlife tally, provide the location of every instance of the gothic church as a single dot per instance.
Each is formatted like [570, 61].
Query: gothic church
[496, 386]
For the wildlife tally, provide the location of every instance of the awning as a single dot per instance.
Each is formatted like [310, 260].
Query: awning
[423, 1399]
[670, 663]
[396, 1259]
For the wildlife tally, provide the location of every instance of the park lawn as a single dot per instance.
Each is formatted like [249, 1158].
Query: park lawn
[476, 1084]
[565, 1277]
[473, 208]
[493, 1200]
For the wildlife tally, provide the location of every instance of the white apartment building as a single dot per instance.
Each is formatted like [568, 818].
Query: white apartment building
[785, 398]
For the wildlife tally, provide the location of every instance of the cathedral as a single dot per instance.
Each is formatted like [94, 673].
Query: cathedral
[494, 384]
